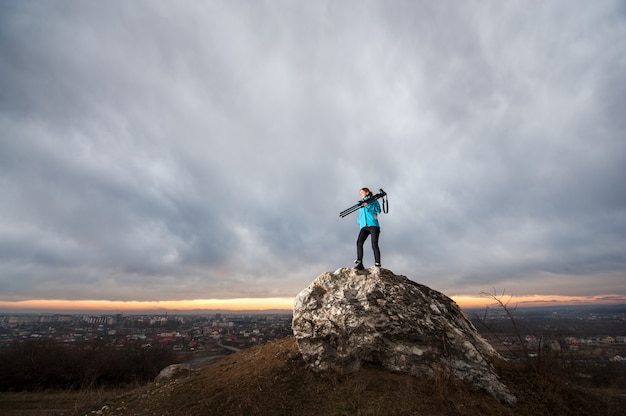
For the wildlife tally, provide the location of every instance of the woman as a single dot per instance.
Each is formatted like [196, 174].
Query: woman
[368, 221]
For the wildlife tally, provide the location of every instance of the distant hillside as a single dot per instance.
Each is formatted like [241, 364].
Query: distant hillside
[272, 380]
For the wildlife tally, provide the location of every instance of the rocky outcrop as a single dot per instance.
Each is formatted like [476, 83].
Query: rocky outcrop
[348, 317]
[173, 371]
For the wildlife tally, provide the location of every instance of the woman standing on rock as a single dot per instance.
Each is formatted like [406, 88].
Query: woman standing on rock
[368, 221]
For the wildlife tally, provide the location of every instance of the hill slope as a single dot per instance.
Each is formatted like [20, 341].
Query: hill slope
[272, 379]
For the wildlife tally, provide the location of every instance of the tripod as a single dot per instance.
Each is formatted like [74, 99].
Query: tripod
[381, 194]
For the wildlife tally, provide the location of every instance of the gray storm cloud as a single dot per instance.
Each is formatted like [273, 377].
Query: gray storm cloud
[153, 151]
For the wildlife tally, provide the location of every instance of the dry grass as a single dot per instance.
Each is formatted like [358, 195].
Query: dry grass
[272, 379]
[52, 402]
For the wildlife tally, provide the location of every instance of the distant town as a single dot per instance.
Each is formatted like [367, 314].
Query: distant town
[597, 333]
[217, 333]
[214, 334]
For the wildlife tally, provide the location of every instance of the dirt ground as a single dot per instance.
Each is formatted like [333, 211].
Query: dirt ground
[273, 380]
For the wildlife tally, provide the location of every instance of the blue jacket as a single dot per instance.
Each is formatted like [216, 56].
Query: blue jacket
[368, 215]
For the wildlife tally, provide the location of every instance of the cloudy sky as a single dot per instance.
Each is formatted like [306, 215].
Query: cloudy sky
[160, 150]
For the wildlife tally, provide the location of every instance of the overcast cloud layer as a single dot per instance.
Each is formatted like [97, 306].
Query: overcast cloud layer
[160, 150]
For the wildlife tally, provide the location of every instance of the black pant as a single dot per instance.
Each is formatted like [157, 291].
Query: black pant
[363, 234]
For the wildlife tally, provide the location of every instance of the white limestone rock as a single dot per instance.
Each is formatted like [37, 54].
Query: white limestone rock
[349, 317]
[172, 371]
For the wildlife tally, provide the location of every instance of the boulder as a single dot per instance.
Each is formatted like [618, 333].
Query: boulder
[346, 318]
[172, 371]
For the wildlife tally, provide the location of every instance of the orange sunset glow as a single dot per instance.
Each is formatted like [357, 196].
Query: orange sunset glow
[129, 306]
[261, 304]
[538, 300]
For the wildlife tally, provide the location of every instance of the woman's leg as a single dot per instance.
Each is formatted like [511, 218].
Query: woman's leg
[363, 233]
[375, 232]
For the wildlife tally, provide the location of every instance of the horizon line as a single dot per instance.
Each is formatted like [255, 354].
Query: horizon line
[259, 305]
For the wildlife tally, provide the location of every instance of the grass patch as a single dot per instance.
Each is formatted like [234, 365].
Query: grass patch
[53, 402]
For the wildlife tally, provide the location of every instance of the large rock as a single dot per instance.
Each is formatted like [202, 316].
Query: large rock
[172, 371]
[348, 317]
